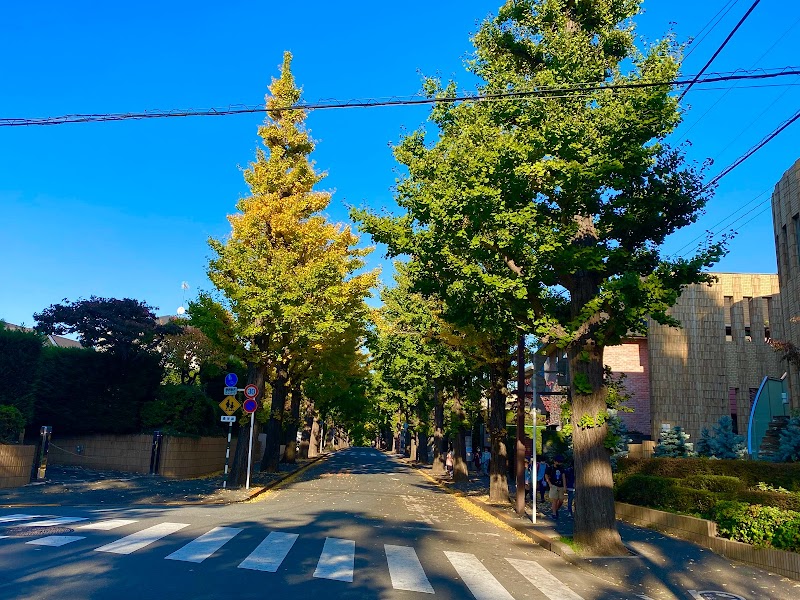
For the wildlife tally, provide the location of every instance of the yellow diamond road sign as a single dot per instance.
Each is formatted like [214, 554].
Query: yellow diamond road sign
[230, 405]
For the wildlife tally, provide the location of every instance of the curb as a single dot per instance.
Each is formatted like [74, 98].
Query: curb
[511, 521]
[284, 479]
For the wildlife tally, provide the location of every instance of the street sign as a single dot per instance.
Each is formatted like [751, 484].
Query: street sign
[229, 405]
[230, 390]
[250, 406]
[231, 379]
[228, 419]
[251, 391]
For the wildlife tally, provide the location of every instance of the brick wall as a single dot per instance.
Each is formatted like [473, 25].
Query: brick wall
[15, 465]
[631, 358]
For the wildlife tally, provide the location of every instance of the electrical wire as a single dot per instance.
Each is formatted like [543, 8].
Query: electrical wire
[718, 50]
[544, 91]
[695, 42]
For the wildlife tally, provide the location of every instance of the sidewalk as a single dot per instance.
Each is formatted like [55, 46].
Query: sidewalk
[76, 486]
[658, 567]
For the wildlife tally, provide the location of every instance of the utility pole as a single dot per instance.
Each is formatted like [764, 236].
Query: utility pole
[519, 461]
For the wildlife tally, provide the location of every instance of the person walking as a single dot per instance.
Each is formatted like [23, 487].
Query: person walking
[476, 458]
[528, 469]
[554, 475]
[569, 480]
[486, 456]
[448, 464]
[541, 484]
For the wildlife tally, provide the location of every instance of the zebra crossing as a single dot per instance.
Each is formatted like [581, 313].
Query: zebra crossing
[336, 561]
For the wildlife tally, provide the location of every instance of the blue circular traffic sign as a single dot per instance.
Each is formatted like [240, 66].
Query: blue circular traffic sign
[231, 379]
[250, 406]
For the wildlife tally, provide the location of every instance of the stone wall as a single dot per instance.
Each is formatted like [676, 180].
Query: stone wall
[786, 228]
[16, 463]
[181, 457]
[712, 365]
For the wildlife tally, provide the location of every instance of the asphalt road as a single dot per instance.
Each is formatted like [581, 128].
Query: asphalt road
[357, 525]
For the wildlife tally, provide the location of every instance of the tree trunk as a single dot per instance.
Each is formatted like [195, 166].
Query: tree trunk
[280, 390]
[290, 455]
[313, 441]
[422, 434]
[460, 468]
[498, 466]
[439, 449]
[519, 459]
[305, 438]
[595, 525]
[238, 472]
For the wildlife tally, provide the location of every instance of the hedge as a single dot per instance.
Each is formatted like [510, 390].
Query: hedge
[19, 356]
[758, 525]
[714, 483]
[662, 492]
[774, 499]
[750, 472]
[182, 410]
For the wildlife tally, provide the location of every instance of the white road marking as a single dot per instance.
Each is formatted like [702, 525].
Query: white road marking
[19, 517]
[200, 549]
[53, 522]
[480, 582]
[56, 540]
[337, 560]
[107, 525]
[405, 569]
[270, 553]
[544, 581]
[140, 539]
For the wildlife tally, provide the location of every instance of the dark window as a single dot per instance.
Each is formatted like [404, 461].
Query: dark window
[735, 423]
[767, 317]
[728, 321]
[796, 220]
[747, 309]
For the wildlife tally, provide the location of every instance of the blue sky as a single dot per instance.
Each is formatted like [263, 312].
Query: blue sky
[124, 209]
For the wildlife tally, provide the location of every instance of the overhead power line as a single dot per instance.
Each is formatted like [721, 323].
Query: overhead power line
[713, 22]
[716, 53]
[545, 91]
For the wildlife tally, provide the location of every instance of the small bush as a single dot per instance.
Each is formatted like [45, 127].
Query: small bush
[181, 409]
[775, 499]
[714, 483]
[750, 472]
[757, 525]
[12, 422]
[723, 442]
[673, 444]
[661, 492]
[789, 449]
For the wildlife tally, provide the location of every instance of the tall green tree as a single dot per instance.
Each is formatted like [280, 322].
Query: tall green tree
[285, 271]
[556, 202]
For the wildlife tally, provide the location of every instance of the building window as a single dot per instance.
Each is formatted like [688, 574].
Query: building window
[747, 307]
[728, 321]
[767, 317]
[732, 404]
[785, 253]
[796, 220]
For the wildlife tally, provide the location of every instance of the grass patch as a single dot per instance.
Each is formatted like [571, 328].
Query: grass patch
[567, 539]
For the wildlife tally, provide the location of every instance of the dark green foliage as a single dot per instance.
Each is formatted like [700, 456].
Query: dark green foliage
[662, 492]
[714, 483]
[555, 442]
[11, 424]
[83, 391]
[674, 444]
[786, 475]
[789, 449]
[181, 409]
[19, 355]
[775, 499]
[722, 442]
[758, 525]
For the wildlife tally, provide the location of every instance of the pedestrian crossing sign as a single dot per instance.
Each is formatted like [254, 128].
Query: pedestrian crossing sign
[229, 405]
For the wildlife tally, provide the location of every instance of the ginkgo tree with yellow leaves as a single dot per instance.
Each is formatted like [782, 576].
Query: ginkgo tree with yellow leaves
[292, 280]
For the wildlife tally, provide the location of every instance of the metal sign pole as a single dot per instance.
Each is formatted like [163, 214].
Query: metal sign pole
[250, 450]
[227, 455]
[535, 461]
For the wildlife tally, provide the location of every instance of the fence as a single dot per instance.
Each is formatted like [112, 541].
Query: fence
[16, 463]
[180, 457]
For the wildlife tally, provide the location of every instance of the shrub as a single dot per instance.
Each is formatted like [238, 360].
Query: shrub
[757, 525]
[662, 492]
[12, 422]
[19, 356]
[673, 444]
[789, 449]
[181, 409]
[714, 483]
[750, 472]
[775, 499]
[723, 442]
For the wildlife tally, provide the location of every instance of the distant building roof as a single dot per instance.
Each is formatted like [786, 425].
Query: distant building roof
[58, 341]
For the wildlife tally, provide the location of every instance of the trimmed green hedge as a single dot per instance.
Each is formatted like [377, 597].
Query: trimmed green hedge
[775, 499]
[758, 525]
[661, 492]
[714, 483]
[750, 472]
